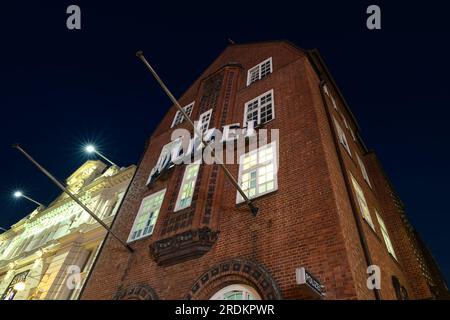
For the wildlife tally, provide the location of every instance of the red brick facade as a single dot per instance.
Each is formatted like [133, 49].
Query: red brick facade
[311, 221]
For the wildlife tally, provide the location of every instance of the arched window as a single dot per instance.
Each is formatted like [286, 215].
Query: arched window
[400, 291]
[236, 292]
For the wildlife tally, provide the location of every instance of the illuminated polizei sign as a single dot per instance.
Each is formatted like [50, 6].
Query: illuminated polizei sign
[184, 149]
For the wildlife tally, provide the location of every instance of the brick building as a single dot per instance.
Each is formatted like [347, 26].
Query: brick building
[327, 214]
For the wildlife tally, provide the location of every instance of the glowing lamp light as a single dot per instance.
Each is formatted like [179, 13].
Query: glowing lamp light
[18, 194]
[19, 286]
[90, 148]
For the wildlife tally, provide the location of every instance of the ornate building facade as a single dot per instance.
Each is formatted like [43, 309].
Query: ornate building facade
[328, 217]
[48, 254]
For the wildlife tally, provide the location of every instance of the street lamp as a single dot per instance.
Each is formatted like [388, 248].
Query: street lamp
[91, 149]
[19, 286]
[70, 194]
[19, 194]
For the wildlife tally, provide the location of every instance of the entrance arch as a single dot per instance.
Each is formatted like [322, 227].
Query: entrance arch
[249, 277]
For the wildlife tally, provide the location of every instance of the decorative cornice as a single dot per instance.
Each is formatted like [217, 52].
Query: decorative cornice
[184, 246]
[228, 272]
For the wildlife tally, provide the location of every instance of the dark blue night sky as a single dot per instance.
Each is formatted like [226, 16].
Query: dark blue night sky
[60, 89]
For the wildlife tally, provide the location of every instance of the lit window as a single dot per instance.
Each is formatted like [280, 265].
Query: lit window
[203, 122]
[261, 109]
[362, 202]
[187, 186]
[342, 138]
[363, 170]
[179, 118]
[236, 292]
[384, 232]
[258, 172]
[259, 71]
[147, 215]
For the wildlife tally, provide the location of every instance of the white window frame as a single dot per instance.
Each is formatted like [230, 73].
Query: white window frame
[386, 237]
[188, 109]
[201, 121]
[345, 121]
[353, 134]
[186, 180]
[141, 212]
[258, 98]
[334, 103]
[246, 290]
[256, 167]
[362, 202]
[258, 67]
[363, 170]
[342, 137]
[325, 88]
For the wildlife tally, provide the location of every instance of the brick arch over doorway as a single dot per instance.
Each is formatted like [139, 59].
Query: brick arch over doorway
[139, 291]
[235, 272]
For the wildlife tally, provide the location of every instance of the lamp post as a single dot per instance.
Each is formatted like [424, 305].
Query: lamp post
[19, 194]
[91, 149]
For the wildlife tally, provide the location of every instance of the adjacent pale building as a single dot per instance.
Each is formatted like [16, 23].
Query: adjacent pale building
[48, 254]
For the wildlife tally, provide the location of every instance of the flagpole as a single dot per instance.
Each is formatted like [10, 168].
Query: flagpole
[233, 181]
[70, 194]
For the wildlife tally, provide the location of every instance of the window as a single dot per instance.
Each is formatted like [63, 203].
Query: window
[345, 122]
[203, 122]
[353, 134]
[334, 103]
[387, 239]
[187, 186]
[147, 215]
[179, 118]
[362, 202]
[363, 170]
[236, 292]
[400, 291]
[12, 289]
[260, 109]
[258, 172]
[342, 138]
[259, 71]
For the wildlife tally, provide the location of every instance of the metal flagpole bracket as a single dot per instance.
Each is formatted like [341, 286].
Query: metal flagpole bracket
[253, 209]
[71, 195]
